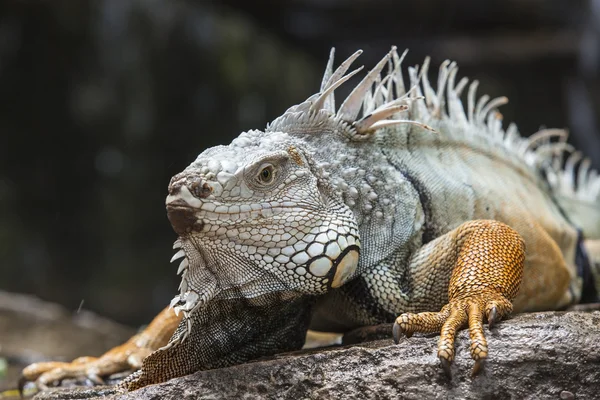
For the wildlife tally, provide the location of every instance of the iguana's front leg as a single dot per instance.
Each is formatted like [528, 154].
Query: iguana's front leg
[127, 356]
[485, 259]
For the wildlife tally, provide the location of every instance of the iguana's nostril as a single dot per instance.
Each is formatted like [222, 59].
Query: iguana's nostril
[175, 185]
[197, 186]
[200, 188]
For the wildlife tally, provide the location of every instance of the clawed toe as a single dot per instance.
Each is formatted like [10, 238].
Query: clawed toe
[96, 379]
[477, 367]
[492, 317]
[455, 315]
[446, 367]
[398, 332]
[21, 385]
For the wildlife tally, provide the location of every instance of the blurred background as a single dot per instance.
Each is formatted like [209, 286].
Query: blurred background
[102, 101]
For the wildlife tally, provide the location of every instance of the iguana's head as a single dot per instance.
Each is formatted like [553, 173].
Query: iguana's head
[261, 215]
[256, 216]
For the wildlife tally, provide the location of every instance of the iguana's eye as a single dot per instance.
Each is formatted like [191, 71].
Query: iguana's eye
[266, 174]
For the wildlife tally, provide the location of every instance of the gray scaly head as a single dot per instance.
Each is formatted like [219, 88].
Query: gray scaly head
[255, 217]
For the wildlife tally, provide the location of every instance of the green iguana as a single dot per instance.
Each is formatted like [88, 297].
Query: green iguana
[400, 205]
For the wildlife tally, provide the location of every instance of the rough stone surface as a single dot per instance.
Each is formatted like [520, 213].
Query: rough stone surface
[546, 355]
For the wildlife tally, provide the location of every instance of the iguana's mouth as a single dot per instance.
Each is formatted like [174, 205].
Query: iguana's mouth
[183, 218]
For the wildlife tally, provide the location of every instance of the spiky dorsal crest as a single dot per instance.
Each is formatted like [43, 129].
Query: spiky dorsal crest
[381, 100]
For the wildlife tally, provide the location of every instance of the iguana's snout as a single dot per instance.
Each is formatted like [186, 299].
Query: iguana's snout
[197, 186]
[185, 194]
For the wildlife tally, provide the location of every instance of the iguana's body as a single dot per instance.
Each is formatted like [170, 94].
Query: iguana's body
[426, 191]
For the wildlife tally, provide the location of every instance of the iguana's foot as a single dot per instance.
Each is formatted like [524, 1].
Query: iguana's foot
[450, 319]
[485, 279]
[126, 357]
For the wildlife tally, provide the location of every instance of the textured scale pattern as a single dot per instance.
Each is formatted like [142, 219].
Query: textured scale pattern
[226, 333]
[400, 204]
[486, 274]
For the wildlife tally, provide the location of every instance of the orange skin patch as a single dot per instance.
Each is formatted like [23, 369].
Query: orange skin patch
[293, 152]
[487, 274]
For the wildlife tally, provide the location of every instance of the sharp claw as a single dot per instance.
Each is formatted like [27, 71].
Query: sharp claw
[396, 332]
[21, 385]
[446, 367]
[478, 367]
[492, 318]
[96, 380]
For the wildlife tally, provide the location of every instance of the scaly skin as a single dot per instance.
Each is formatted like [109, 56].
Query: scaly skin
[413, 208]
[486, 275]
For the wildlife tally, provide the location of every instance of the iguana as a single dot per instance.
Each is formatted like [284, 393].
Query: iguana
[399, 205]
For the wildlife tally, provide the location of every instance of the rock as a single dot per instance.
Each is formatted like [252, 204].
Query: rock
[33, 330]
[539, 355]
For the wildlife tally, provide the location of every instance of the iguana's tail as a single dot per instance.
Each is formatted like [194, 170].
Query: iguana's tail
[577, 190]
[584, 214]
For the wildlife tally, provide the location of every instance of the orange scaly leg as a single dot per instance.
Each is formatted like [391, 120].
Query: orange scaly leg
[486, 277]
[127, 356]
